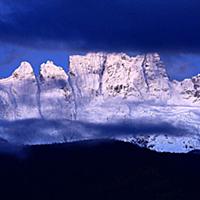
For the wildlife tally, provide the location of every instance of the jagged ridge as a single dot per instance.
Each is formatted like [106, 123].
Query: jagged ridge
[141, 78]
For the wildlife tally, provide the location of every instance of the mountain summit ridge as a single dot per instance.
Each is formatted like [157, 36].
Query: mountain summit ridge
[142, 78]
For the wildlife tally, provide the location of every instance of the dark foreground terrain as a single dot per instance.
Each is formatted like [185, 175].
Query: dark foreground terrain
[98, 170]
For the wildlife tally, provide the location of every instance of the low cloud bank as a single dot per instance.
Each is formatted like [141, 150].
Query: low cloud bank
[37, 131]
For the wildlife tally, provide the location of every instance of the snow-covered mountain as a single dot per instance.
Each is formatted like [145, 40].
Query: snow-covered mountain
[130, 98]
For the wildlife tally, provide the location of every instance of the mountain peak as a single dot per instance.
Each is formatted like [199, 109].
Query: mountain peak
[25, 70]
[50, 70]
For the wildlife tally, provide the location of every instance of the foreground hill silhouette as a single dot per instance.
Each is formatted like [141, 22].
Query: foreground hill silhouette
[101, 169]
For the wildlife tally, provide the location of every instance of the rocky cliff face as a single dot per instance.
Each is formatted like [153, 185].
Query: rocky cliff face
[139, 78]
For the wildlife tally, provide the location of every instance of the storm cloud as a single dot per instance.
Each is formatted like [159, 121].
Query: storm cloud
[107, 25]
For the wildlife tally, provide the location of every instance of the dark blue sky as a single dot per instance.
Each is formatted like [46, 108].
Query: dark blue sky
[37, 31]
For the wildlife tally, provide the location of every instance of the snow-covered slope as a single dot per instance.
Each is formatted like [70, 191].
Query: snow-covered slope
[115, 95]
[18, 94]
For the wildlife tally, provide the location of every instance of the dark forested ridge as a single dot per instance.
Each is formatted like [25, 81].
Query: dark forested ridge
[98, 170]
